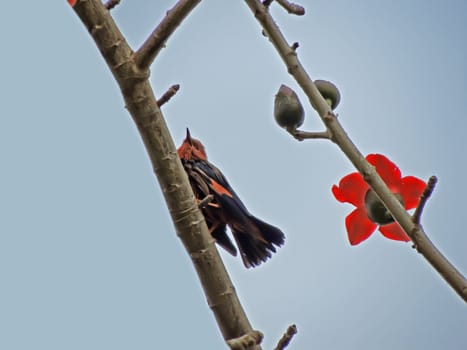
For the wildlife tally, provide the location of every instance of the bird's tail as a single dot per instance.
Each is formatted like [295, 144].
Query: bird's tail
[258, 241]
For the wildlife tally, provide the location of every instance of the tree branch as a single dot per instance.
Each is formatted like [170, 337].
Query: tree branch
[156, 41]
[246, 341]
[188, 220]
[417, 215]
[424, 246]
[168, 95]
[286, 338]
[292, 8]
[303, 135]
[109, 5]
[205, 201]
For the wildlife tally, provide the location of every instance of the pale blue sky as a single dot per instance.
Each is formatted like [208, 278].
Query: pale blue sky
[88, 255]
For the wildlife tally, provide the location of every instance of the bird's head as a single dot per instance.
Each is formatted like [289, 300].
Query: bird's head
[191, 148]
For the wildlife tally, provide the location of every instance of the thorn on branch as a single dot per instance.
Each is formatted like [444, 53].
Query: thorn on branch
[291, 8]
[286, 338]
[109, 5]
[430, 186]
[266, 3]
[206, 200]
[246, 341]
[168, 95]
[295, 46]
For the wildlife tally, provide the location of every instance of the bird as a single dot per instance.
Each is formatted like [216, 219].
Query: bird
[256, 239]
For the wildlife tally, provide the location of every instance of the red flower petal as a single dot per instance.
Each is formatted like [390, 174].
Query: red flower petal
[388, 171]
[72, 2]
[411, 190]
[394, 231]
[359, 227]
[352, 189]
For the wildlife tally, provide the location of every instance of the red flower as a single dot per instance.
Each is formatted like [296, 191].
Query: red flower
[370, 212]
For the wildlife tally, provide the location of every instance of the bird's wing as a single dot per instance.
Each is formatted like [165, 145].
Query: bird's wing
[219, 184]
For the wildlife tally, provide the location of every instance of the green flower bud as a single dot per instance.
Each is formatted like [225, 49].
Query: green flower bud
[376, 210]
[329, 91]
[288, 111]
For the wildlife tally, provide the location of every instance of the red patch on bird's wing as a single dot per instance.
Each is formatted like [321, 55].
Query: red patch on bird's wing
[219, 189]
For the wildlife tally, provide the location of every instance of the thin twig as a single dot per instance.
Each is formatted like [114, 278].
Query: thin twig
[292, 8]
[109, 5]
[430, 186]
[206, 200]
[246, 341]
[286, 338]
[168, 95]
[156, 41]
[424, 246]
[302, 135]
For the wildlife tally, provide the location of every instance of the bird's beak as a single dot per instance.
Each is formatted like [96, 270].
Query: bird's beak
[188, 137]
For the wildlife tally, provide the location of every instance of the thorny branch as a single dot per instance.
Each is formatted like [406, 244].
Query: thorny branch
[142, 105]
[423, 244]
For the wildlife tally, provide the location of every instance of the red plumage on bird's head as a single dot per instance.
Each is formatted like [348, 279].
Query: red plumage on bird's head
[191, 148]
